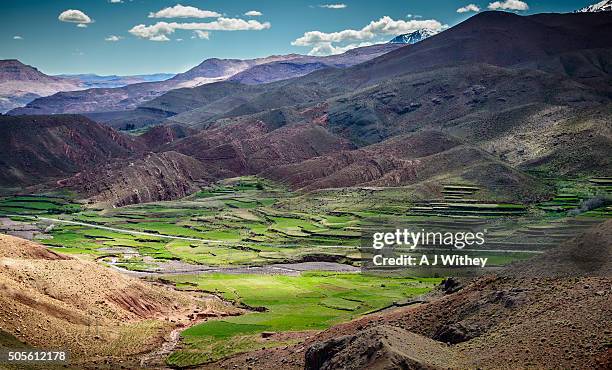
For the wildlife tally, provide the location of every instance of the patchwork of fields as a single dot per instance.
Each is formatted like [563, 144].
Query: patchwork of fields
[248, 221]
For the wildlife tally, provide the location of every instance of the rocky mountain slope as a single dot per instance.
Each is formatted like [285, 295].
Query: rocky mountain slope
[155, 177]
[20, 84]
[252, 147]
[523, 316]
[409, 160]
[48, 300]
[40, 148]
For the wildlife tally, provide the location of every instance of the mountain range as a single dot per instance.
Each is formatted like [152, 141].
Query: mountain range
[251, 71]
[20, 84]
[90, 80]
[455, 107]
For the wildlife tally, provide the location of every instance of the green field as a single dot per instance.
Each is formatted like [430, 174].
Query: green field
[312, 301]
[37, 204]
[252, 221]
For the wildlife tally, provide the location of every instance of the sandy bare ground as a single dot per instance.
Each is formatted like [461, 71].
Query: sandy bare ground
[49, 300]
[19, 229]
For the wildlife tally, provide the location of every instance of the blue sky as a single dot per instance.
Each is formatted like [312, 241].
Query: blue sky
[176, 39]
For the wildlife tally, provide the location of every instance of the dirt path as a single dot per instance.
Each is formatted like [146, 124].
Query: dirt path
[290, 269]
[157, 355]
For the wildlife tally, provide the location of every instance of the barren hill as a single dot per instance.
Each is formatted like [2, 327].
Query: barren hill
[155, 177]
[40, 148]
[48, 300]
[251, 147]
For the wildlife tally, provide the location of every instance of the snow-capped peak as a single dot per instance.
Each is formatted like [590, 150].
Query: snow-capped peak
[602, 6]
[413, 37]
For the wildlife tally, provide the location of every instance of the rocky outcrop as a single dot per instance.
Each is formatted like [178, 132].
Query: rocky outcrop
[382, 347]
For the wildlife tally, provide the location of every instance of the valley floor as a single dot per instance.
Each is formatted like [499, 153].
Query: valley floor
[290, 261]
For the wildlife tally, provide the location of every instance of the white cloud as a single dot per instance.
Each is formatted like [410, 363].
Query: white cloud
[74, 16]
[17, 37]
[323, 42]
[509, 5]
[82, 25]
[202, 35]
[115, 1]
[160, 30]
[180, 11]
[333, 6]
[160, 38]
[113, 38]
[253, 13]
[469, 8]
[179, 40]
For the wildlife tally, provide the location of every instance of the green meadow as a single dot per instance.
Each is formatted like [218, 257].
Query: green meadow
[312, 301]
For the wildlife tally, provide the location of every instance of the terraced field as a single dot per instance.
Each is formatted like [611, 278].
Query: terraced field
[37, 204]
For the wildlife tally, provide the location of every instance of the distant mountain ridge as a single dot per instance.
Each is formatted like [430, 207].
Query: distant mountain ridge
[250, 71]
[302, 65]
[21, 83]
[90, 80]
